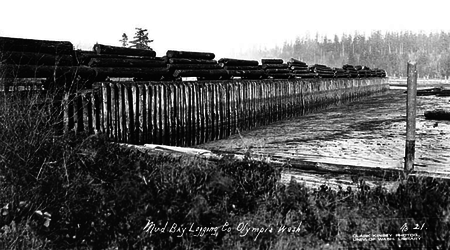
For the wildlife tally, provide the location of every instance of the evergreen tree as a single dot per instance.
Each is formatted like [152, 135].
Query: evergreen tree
[141, 40]
[124, 40]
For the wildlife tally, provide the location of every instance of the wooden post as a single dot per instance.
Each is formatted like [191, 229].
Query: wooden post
[410, 117]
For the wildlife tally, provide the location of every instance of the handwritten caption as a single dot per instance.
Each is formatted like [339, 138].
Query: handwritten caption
[243, 228]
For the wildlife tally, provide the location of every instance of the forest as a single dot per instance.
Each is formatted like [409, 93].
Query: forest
[390, 51]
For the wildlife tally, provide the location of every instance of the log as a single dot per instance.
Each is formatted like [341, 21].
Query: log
[272, 61]
[238, 62]
[247, 73]
[294, 67]
[300, 71]
[437, 114]
[31, 58]
[190, 61]
[271, 71]
[280, 75]
[294, 61]
[33, 71]
[83, 57]
[114, 50]
[37, 46]
[190, 54]
[200, 73]
[274, 66]
[195, 66]
[130, 72]
[125, 62]
[242, 67]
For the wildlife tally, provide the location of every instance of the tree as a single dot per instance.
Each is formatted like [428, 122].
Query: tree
[124, 40]
[141, 40]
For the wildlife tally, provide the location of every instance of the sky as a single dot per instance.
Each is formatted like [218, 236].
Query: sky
[225, 28]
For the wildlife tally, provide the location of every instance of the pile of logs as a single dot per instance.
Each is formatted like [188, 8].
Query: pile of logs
[244, 69]
[59, 62]
[195, 64]
[276, 68]
[340, 73]
[37, 59]
[299, 69]
[351, 71]
[111, 61]
[322, 71]
[379, 72]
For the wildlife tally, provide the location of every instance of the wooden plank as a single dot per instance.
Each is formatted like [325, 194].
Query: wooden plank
[106, 115]
[150, 113]
[165, 114]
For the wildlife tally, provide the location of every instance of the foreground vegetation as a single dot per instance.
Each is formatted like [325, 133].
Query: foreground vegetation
[67, 191]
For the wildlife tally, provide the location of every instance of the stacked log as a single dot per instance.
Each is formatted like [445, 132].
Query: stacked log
[120, 62]
[379, 72]
[351, 71]
[51, 63]
[28, 58]
[363, 71]
[299, 69]
[276, 68]
[194, 64]
[340, 73]
[244, 69]
[322, 71]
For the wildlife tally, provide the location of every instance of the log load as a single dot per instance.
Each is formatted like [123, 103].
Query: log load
[173, 67]
[33, 71]
[295, 62]
[242, 67]
[190, 54]
[275, 66]
[114, 50]
[277, 70]
[340, 73]
[281, 75]
[210, 74]
[126, 62]
[272, 61]
[247, 74]
[32, 58]
[190, 61]
[238, 62]
[304, 75]
[36, 46]
[130, 72]
[437, 114]
[84, 57]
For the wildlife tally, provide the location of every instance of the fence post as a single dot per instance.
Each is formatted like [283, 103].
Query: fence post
[410, 117]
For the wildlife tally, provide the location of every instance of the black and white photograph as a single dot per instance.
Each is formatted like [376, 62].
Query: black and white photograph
[248, 125]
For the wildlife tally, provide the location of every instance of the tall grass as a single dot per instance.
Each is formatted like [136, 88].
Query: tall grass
[67, 191]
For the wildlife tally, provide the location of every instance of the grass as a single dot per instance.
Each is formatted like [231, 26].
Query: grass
[68, 191]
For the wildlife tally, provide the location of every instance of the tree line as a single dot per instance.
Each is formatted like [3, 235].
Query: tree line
[390, 51]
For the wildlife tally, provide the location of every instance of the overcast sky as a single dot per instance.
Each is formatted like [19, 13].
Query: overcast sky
[222, 27]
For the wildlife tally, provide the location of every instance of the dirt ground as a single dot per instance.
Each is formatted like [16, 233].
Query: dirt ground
[367, 133]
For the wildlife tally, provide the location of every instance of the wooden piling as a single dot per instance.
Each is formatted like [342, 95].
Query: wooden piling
[410, 117]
